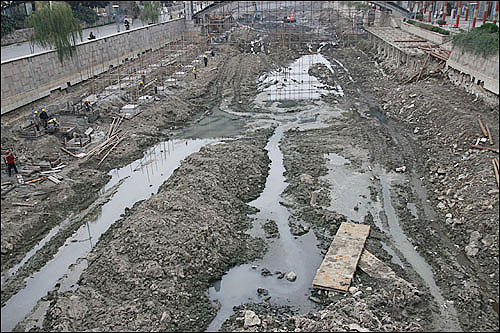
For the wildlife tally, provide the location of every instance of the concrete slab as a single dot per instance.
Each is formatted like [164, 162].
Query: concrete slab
[340, 262]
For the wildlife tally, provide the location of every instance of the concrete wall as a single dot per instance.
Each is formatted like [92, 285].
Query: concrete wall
[426, 34]
[26, 79]
[478, 70]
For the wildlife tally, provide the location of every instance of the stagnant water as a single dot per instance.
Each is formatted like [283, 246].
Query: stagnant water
[285, 253]
[134, 182]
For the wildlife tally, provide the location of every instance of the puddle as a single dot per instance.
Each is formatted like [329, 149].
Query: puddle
[139, 180]
[413, 209]
[395, 258]
[350, 190]
[294, 83]
[285, 253]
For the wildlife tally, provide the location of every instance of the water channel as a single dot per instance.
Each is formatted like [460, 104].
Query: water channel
[134, 182]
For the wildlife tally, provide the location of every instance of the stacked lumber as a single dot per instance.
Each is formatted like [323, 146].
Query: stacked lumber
[113, 138]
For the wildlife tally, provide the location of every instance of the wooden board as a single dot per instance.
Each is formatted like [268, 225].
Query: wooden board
[374, 267]
[340, 262]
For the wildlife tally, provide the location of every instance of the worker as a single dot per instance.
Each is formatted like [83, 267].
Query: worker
[91, 36]
[141, 85]
[52, 125]
[212, 53]
[10, 160]
[36, 121]
[205, 60]
[194, 71]
[87, 105]
[127, 25]
[156, 86]
[43, 118]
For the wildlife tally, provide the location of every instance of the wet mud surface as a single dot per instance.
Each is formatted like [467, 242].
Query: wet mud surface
[169, 261]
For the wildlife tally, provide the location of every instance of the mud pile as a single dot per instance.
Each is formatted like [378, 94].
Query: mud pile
[151, 270]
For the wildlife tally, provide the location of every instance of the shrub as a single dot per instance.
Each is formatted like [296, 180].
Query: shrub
[85, 14]
[8, 25]
[489, 27]
[481, 41]
[441, 22]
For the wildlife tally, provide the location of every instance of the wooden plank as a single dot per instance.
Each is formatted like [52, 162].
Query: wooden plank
[375, 268]
[489, 135]
[22, 204]
[53, 179]
[485, 133]
[67, 151]
[487, 148]
[338, 266]
[495, 168]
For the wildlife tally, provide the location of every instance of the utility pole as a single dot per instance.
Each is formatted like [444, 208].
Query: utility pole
[116, 8]
[459, 9]
[475, 15]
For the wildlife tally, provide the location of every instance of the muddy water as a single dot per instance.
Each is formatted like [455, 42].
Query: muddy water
[285, 254]
[448, 319]
[134, 182]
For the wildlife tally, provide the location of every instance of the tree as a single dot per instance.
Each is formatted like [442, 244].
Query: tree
[151, 12]
[56, 27]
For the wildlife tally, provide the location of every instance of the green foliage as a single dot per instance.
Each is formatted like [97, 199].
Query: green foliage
[429, 27]
[361, 6]
[441, 22]
[85, 14]
[56, 27]
[482, 41]
[8, 24]
[489, 27]
[151, 12]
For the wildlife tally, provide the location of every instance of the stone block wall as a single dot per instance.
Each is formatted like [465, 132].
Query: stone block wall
[26, 79]
[474, 70]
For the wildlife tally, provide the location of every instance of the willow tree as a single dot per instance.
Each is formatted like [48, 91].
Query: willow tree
[56, 27]
[151, 12]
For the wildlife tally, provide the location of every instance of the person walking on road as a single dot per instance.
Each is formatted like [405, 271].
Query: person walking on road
[194, 71]
[10, 160]
[44, 117]
[205, 60]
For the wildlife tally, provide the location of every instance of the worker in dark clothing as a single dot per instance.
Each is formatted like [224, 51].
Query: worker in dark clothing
[91, 36]
[44, 117]
[194, 71]
[87, 105]
[205, 60]
[127, 25]
[10, 160]
[212, 52]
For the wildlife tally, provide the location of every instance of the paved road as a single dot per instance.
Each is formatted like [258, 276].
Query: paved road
[19, 50]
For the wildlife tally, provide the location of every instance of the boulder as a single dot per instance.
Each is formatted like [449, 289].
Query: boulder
[251, 319]
[291, 276]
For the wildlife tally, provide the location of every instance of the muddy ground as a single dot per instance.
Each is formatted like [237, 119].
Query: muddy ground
[152, 268]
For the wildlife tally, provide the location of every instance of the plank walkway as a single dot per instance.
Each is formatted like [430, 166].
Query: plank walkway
[340, 262]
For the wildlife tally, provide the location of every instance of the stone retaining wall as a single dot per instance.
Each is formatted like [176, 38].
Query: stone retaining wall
[31, 77]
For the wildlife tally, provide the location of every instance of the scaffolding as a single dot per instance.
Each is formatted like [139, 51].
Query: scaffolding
[233, 22]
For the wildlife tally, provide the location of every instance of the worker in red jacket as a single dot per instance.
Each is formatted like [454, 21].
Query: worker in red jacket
[10, 160]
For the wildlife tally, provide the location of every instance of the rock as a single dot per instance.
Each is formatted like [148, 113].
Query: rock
[356, 327]
[352, 290]
[314, 299]
[401, 169]
[306, 179]
[369, 289]
[251, 319]
[357, 293]
[449, 216]
[265, 272]
[441, 205]
[416, 130]
[471, 251]
[291, 276]
[475, 236]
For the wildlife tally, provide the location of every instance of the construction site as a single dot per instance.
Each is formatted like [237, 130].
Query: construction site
[259, 166]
